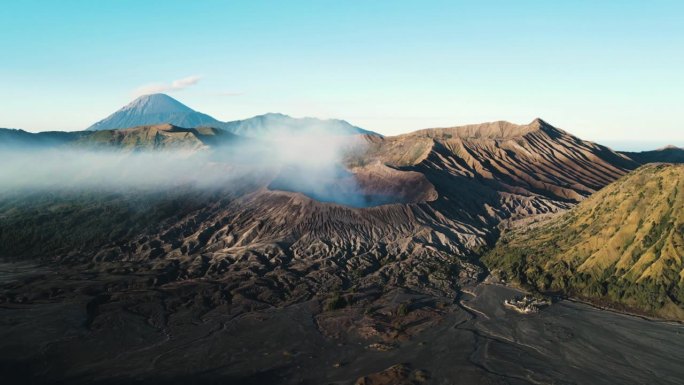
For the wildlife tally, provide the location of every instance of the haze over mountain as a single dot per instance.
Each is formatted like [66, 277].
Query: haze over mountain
[155, 137]
[156, 233]
[668, 154]
[160, 108]
[16, 139]
[442, 194]
[445, 192]
[280, 124]
[341, 193]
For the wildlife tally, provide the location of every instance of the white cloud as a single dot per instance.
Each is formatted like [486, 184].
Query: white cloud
[176, 85]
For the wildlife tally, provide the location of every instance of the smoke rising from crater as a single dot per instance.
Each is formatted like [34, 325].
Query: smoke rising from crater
[309, 161]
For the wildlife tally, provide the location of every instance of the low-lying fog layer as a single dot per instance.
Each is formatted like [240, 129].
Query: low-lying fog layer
[60, 169]
[308, 162]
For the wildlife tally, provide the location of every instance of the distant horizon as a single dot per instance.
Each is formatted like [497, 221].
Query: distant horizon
[607, 72]
[624, 145]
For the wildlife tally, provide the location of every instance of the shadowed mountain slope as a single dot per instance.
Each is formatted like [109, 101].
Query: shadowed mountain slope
[450, 189]
[250, 278]
[183, 271]
[502, 167]
[20, 140]
[623, 246]
[669, 154]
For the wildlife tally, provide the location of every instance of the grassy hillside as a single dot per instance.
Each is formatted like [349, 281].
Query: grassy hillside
[157, 137]
[622, 247]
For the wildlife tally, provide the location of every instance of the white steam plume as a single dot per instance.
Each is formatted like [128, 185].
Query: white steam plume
[307, 161]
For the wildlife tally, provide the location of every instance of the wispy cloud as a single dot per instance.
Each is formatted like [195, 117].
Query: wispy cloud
[176, 85]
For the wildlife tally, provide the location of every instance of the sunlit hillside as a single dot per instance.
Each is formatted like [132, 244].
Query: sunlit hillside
[625, 245]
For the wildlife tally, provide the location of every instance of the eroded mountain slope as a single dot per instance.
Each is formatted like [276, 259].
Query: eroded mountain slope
[499, 170]
[451, 189]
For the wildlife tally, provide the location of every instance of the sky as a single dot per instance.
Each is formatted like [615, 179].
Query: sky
[608, 71]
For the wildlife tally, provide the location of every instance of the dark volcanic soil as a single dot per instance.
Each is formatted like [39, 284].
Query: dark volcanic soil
[79, 328]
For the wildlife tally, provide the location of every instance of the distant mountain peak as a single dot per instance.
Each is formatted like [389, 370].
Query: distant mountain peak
[271, 123]
[154, 109]
[275, 115]
[157, 103]
[499, 129]
[539, 122]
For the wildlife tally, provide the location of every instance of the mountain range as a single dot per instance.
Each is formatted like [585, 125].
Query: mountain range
[160, 108]
[668, 154]
[443, 196]
[278, 249]
[155, 137]
[154, 109]
[430, 200]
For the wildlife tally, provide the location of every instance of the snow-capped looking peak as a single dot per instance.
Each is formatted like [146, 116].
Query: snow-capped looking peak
[156, 104]
[154, 109]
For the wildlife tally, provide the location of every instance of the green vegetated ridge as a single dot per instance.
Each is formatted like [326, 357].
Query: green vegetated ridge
[156, 137]
[622, 247]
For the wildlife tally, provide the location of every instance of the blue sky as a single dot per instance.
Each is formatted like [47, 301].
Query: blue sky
[610, 71]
